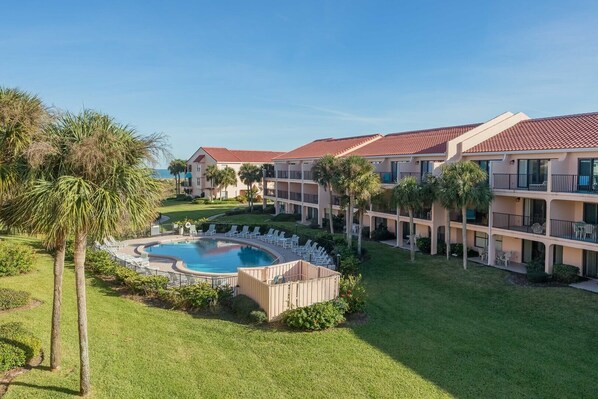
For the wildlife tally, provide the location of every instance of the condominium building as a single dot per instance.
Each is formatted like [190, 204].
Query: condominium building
[544, 174]
[196, 183]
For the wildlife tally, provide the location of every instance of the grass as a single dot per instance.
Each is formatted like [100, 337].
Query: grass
[434, 330]
[178, 210]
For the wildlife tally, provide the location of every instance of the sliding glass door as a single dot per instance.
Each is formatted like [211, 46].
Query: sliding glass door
[590, 264]
[532, 172]
[587, 171]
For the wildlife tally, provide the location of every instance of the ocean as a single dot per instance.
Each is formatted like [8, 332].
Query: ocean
[163, 174]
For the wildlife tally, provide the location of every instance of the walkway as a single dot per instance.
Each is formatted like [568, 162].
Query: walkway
[589, 285]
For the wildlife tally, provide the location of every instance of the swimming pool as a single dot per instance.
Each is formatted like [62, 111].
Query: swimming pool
[213, 255]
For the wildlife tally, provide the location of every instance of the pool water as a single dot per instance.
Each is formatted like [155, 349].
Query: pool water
[213, 255]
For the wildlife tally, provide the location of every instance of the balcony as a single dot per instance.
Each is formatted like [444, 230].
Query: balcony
[386, 177]
[295, 196]
[282, 174]
[526, 224]
[308, 175]
[295, 174]
[425, 214]
[578, 231]
[283, 194]
[473, 217]
[269, 174]
[506, 181]
[575, 184]
[336, 200]
[311, 198]
[270, 192]
[384, 208]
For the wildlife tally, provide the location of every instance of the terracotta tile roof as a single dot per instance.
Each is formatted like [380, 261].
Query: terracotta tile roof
[558, 132]
[336, 147]
[429, 141]
[221, 154]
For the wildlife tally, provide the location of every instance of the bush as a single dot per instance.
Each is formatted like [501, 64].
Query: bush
[381, 233]
[225, 295]
[17, 346]
[349, 265]
[242, 306]
[352, 290]
[318, 316]
[10, 299]
[146, 284]
[183, 197]
[441, 250]
[171, 297]
[15, 259]
[122, 274]
[535, 266]
[338, 223]
[424, 244]
[537, 277]
[99, 262]
[258, 316]
[286, 217]
[198, 296]
[565, 273]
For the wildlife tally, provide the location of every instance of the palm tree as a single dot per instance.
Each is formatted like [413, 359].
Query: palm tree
[446, 199]
[352, 170]
[250, 174]
[212, 174]
[408, 195]
[95, 178]
[465, 186]
[368, 188]
[228, 177]
[325, 172]
[176, 167]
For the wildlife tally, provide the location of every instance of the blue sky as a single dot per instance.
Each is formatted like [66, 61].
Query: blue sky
[276, 74]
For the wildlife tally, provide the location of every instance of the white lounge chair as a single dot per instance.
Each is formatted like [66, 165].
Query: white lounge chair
[302, 248]
[280, 240]
[109, 244]
[211, 230]
[271, 239]
[232, 231]
[291, 242]
[255, 233]
[264, 237]
[193, 231]
[243, 233]
[119, 244]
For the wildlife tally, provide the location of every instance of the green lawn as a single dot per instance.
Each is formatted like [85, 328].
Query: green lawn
[434, 330]
[178, 210]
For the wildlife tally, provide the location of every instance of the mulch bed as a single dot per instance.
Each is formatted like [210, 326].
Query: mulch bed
[521, 280]
[34, 303]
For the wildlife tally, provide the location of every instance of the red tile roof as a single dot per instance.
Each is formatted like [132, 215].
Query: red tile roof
[558, 132]
[221, 154]
[336, 147]
[199, 158]
[429, 141]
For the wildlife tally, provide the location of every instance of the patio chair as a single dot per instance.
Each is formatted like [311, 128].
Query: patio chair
[192, 231]
[115, 242]
[243, 233]
[290, 242]
[211, 230]
[589, 231]
[109, 244]
[232, 231]
[263, 237]
[255, 233]
[280, 240]
[174, 278]
[505, 258]
[537, 228]
[271, 237]
[302, 248]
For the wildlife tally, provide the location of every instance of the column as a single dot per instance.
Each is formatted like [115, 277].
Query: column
[549, 258]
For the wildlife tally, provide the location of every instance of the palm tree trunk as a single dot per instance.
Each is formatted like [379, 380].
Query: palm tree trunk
[359, 231]
[464, 236]
[80, 247]
[350, 221]
[56, 305]
[411, 236]
[447, 234]
[331, 205]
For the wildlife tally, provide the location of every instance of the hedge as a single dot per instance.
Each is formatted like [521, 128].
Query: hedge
[10, 299]
[17, 346]
[319, 316]
[15, 259]
[565, 273]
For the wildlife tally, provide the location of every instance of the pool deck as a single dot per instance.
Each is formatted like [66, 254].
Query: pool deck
[135, 247]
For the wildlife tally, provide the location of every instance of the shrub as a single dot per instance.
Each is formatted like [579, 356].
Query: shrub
[349, 265]
[172, 297]
[122, 273]
[318, 316]
[198, 296]
[258, 316]
[146, 284]
[537, 277]
[99, 262]
[15, 259]
[535, 266]
[10, 299]
[225, 295]
[381, 233]
[352, 290]
[17, 346]
[183, 197]
[441, 250]
[565, 273]
[424, 244]
[286, 217]
[242, 306]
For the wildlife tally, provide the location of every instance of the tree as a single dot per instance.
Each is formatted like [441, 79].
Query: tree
[325, 172]
[213, 175]
[94, 174]
[464, 185]
[250, 174]
[352, 171]
[227, 177]
[368, 188]
[408, 195]
[176, 167]
[446, 199]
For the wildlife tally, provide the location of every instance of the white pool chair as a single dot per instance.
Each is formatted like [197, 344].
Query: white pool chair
[232, 231]
[255, 233]
[304, 247]
[211, 230]
[264, 237]
[280, 240]
[193, 231]
[243, 233]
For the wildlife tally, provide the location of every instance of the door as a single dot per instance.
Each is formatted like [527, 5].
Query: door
[587, 171]
[534, 211]
[590, 264]
[533, 251]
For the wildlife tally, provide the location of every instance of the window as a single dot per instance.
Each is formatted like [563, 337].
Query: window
[498, 243]
[485, 166]
[198, 167]
[532, 171]
[427, 167]
[481, 240]
[198, 181]
[590, 213]
[557, 255]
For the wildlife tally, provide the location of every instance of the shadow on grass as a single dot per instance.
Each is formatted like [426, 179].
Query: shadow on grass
[474, 335]
[50, 388]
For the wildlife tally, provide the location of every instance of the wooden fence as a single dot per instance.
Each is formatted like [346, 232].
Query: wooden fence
[287, 286]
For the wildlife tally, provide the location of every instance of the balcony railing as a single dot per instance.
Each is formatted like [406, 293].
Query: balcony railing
[295, 174]
[579, 231]
[507, 181]
[282, 174]
[425, 214]
[270, 192]
[295, 196]
[477, 218]
[526, 224]
[308, 175]
[283, 194]
[587, 184]
[384, 208]
[311, 198]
